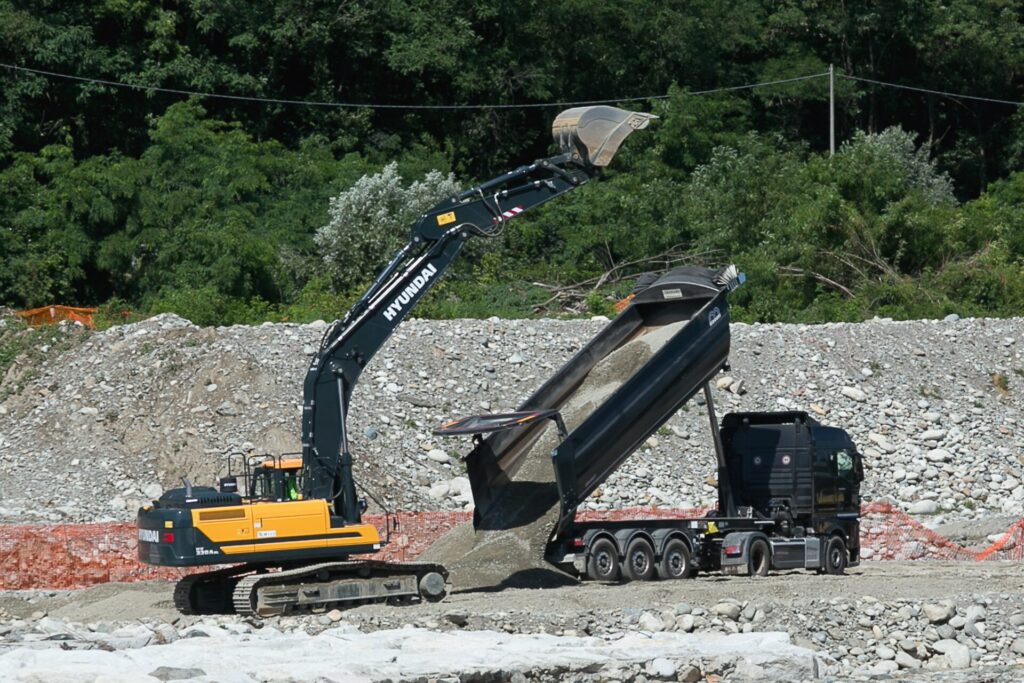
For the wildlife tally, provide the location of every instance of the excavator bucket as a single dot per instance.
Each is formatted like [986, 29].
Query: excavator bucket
[594, 134]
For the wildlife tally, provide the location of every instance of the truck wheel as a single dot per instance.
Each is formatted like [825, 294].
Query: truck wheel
[836, 556]
[675, 561]
[603, 564]
[759, 558]
[640, 561]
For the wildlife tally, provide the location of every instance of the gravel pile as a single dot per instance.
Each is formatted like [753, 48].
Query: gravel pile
[97, 428]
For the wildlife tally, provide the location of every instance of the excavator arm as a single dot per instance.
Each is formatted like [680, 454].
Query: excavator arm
[587, 138]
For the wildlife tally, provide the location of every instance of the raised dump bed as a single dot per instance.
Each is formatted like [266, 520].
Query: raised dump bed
[684, 318]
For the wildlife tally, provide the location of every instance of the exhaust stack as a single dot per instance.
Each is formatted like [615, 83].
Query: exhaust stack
[593, 134]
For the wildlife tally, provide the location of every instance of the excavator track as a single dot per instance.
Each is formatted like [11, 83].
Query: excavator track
[337, 583]
[209, 592]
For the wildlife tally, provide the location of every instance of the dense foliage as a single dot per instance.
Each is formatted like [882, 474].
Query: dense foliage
[232, 211]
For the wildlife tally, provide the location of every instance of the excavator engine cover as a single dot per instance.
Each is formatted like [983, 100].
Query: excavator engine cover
[594, 134]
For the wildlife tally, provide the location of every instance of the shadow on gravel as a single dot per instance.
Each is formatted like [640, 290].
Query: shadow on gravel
[527, 578]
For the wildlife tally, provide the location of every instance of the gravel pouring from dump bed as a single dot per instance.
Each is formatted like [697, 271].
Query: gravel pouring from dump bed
[508, 548]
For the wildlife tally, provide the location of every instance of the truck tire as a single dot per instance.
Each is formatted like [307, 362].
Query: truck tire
[640, 561]
[675, 561]
[603, 563]
[759, 557]
[836, 557]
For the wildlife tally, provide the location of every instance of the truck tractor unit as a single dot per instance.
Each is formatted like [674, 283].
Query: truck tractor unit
[788, 487]
[290, 530]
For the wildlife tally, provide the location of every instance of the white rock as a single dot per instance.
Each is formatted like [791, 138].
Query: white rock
[437, 455]
[438, 491]
[661, 667]
[923, 507]
[650, 622]
[938, 613]
[854, 394]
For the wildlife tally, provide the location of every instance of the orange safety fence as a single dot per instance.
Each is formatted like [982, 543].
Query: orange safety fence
[80, 555]
[49, 315]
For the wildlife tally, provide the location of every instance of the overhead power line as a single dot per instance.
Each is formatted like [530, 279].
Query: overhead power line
[452, 107]
[943, 93]
[371, 105]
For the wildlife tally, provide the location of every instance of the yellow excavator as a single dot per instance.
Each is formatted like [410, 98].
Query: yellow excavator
[288, 525]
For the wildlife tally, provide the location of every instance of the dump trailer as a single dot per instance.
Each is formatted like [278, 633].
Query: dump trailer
[290, 526]
[788, 487]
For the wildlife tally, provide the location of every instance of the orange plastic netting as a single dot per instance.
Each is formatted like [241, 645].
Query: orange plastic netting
[48, 315]
[78, 555]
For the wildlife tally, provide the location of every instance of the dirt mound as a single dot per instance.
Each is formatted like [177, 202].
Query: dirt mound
[508, 547]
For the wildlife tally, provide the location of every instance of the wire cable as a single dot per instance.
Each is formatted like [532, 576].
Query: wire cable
[929, 91]
[368, 105]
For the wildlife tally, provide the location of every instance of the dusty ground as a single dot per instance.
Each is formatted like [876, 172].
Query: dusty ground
[884, 581]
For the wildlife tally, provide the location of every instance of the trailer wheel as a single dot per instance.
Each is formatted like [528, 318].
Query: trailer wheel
[603, 564]
[759, 558]
[675, 561]
[640, 561]
[836, 556]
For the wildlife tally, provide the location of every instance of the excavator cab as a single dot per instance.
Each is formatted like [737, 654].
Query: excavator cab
[275, 478]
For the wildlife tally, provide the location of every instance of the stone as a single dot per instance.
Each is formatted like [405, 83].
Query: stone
[729, 610]
[938, 614]
[1017, 646]
[938, 455]
[460, 619]
[437, 455]
[334, 616]
[689, 674]
[975, 613]
[164, 634]
[683, 608]
[885, 652]
[923, 507]
[906, 661]
[172, 673]
[438, 491]
[661, 667]
[957, 655]
[650, 622]
[854, 394]
[227, 409]
[685, 623]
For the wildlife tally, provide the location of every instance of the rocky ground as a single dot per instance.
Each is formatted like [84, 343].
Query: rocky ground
[107, 420]
[915, 621]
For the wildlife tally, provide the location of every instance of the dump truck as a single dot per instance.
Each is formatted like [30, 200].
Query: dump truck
[289, 525]
[788, 486]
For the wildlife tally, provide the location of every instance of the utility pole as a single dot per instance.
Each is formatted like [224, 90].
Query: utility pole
[831, 110]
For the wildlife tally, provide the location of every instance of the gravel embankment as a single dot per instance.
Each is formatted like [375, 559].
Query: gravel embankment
[97, 429]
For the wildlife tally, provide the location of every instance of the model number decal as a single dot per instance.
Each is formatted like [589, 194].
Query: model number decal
[672, 294]
[149, 535]
[206, 551]
[266, 533]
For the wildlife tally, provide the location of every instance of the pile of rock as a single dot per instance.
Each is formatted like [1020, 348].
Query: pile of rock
[98, 428]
